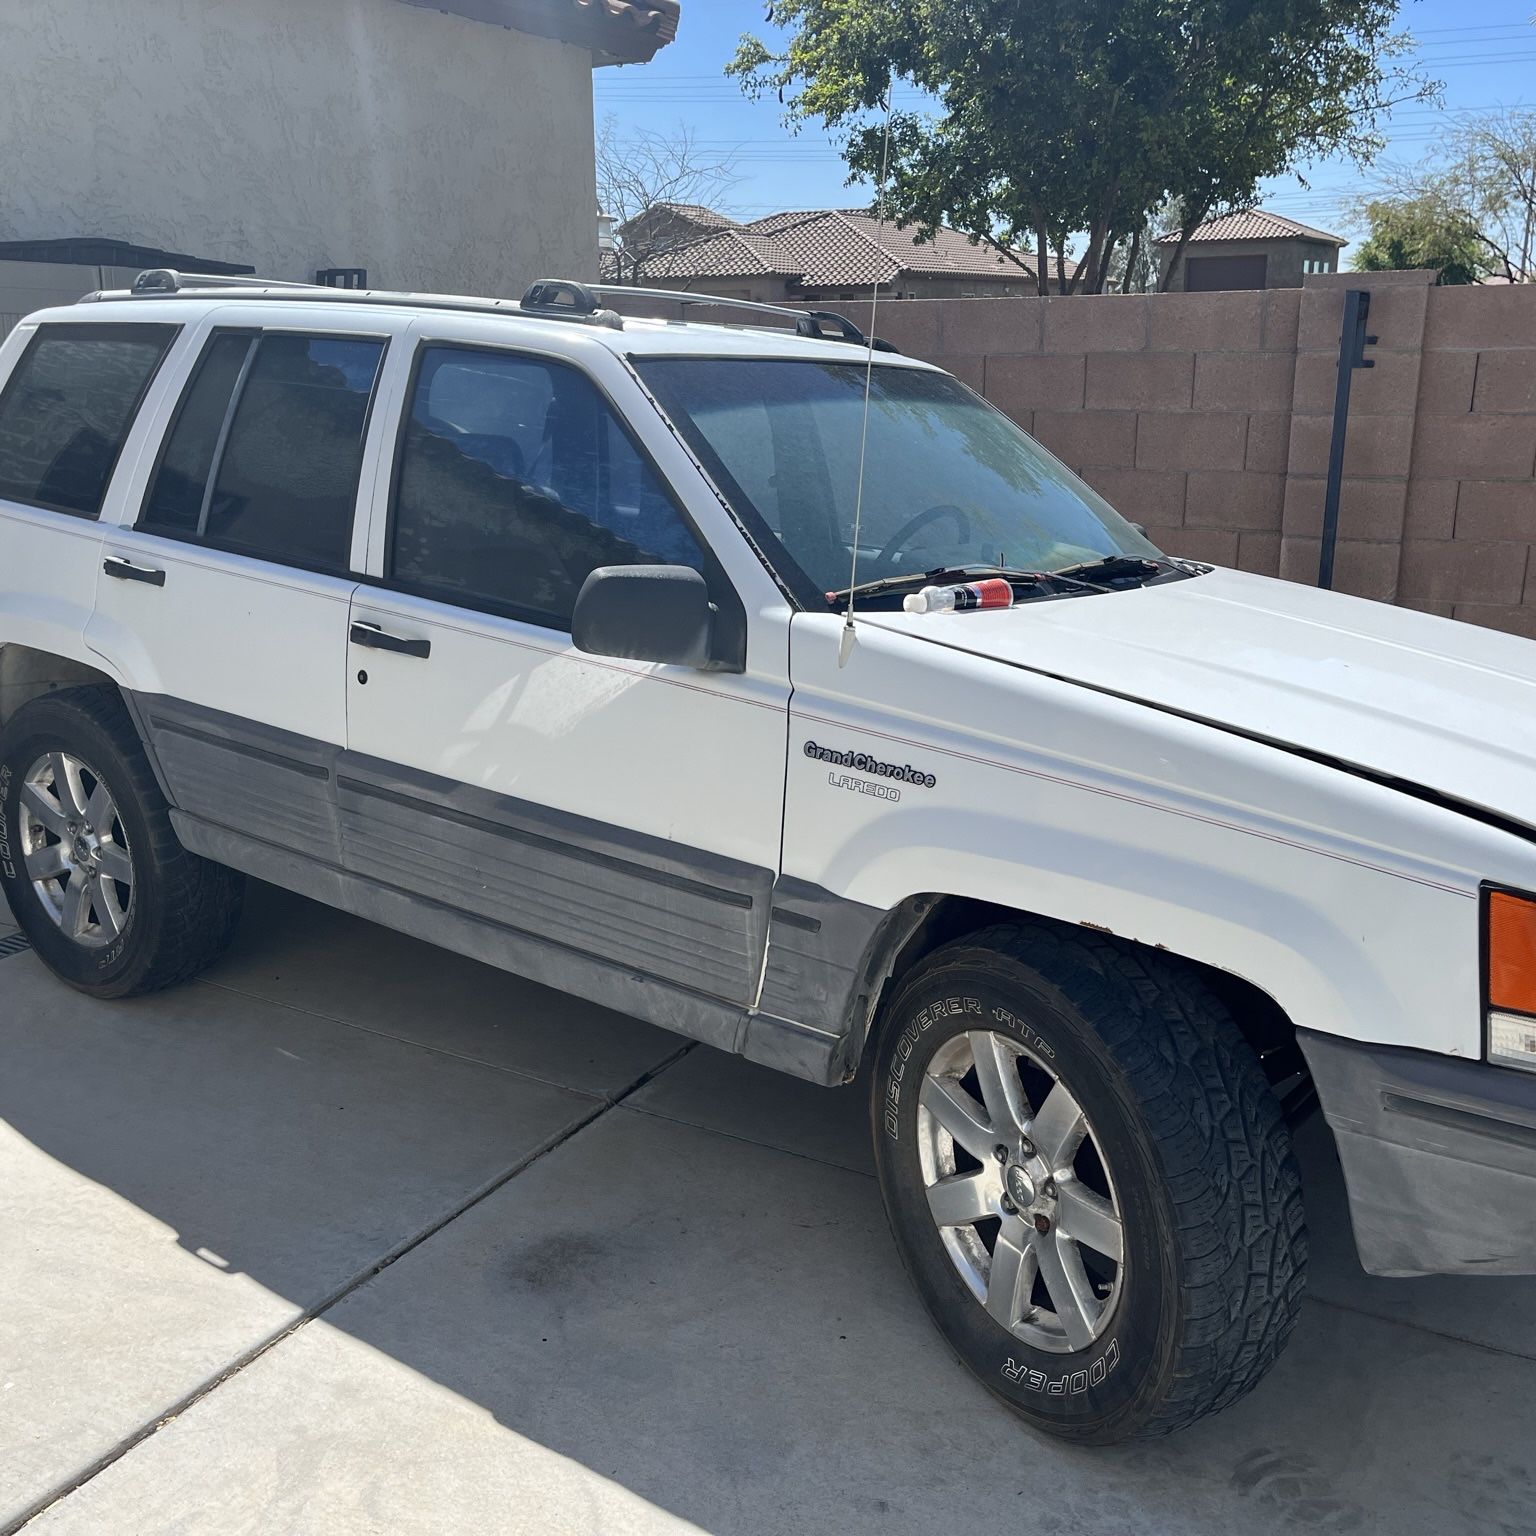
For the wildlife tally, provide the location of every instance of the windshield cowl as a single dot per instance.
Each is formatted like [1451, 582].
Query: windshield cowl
[1115, 573]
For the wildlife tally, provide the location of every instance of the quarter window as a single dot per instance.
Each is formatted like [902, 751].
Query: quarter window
[66, 412]
[515, 481]
[267, 447]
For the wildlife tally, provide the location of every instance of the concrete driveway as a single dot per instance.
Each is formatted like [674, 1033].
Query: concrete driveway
[356, 1236]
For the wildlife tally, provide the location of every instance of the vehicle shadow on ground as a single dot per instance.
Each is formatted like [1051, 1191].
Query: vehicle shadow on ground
[683, 1303]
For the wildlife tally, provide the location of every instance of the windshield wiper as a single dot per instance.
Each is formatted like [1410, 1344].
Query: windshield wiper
[945, 574]
[1108, 567]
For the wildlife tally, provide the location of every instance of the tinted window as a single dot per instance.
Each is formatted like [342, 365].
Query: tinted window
[285, 464]
[516, 480]
[175, 501]
[67, 410]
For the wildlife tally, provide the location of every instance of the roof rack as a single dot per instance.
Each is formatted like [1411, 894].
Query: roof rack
[164, 280]
[807, 322]
[162, 284]
[565, 299]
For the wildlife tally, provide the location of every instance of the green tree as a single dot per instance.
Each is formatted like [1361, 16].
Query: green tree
[1482, 179]
[1054, 120]
[1420, 232]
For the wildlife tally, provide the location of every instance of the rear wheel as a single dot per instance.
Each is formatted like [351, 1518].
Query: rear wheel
[1089, 1180]
[90, 864]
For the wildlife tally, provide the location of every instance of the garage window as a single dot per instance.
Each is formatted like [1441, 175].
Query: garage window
[67, 409]
[1218, 274]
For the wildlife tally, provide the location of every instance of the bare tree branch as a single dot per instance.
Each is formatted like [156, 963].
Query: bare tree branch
[641, 173]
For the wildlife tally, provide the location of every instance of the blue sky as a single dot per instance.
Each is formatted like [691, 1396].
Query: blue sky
[1483, 50]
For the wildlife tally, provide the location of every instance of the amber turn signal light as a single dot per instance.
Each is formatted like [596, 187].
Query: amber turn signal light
[1511, 952]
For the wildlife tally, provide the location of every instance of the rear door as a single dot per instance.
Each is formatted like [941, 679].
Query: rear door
[224, 606]
[67, 414]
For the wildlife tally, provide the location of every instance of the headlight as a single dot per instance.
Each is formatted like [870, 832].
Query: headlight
[1509, 978]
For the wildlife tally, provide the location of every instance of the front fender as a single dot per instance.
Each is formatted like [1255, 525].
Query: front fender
[1352, 904]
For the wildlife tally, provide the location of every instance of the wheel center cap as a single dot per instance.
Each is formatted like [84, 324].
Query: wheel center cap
[83, 850]
[1021, 1188]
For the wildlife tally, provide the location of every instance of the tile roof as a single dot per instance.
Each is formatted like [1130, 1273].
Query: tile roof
[949, 252]
[617, 31]
[1254, 224]
[829, 247]
[697, 213]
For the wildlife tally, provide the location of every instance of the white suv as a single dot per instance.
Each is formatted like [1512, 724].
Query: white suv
[525, 628]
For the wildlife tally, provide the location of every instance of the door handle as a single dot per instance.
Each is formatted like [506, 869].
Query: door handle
[126, 570]
[377, 639]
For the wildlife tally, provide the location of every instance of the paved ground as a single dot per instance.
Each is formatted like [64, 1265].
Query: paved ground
[354, 1236]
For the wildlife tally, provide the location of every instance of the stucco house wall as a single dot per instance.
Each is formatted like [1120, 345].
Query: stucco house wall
[436, 151]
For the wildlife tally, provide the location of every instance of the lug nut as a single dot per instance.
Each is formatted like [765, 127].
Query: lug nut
[1000, 1153]
[1042, 1224]
[1027, 1147]
[1009, 1206]
[1049, 1188]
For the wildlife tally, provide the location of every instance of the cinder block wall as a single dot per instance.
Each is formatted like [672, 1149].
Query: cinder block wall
[1207, 416]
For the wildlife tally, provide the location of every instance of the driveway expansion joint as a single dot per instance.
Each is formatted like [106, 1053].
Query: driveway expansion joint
[600, 1107]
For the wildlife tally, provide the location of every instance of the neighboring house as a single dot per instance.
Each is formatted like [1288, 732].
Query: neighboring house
[1252, 249]
[817, 254]
[433, 144]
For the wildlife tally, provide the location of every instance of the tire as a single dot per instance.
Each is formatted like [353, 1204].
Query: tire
[168, 916]
[1183, 1146]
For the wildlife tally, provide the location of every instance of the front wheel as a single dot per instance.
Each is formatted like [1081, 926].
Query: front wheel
[1089, 1180]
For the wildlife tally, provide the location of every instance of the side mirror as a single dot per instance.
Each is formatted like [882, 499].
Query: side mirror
[645, 613]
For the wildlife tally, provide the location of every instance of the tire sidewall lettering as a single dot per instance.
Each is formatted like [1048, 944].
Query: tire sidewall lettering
[1069, 1383]
[946, 1008]
[7, 857]
[906, 1043]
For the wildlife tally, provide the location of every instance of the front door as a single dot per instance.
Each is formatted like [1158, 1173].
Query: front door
[611, 827]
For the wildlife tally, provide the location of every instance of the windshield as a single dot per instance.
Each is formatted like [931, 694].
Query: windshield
[949, 480]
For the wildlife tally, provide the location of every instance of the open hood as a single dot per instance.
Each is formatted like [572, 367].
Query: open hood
[1443, 705]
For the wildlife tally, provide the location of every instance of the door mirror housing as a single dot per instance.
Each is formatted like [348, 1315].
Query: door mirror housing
[646, 613]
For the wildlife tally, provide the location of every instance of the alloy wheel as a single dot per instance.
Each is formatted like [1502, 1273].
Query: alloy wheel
[75, 849]
[1022, 1199]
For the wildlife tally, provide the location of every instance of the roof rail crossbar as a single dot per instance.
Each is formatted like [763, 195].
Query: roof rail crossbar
[565, 298]
[807, 323]
[811, 323]
[164, 280]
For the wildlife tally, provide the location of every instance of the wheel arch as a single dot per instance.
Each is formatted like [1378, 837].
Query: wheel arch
[27, 674]
[918, 926]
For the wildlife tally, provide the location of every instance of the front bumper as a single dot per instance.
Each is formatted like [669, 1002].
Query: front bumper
[1439, 1157]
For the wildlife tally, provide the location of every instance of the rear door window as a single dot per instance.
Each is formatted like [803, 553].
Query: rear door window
[67, 410]
[267, 447]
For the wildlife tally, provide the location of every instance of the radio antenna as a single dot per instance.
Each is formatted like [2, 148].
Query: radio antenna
[845, 644]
